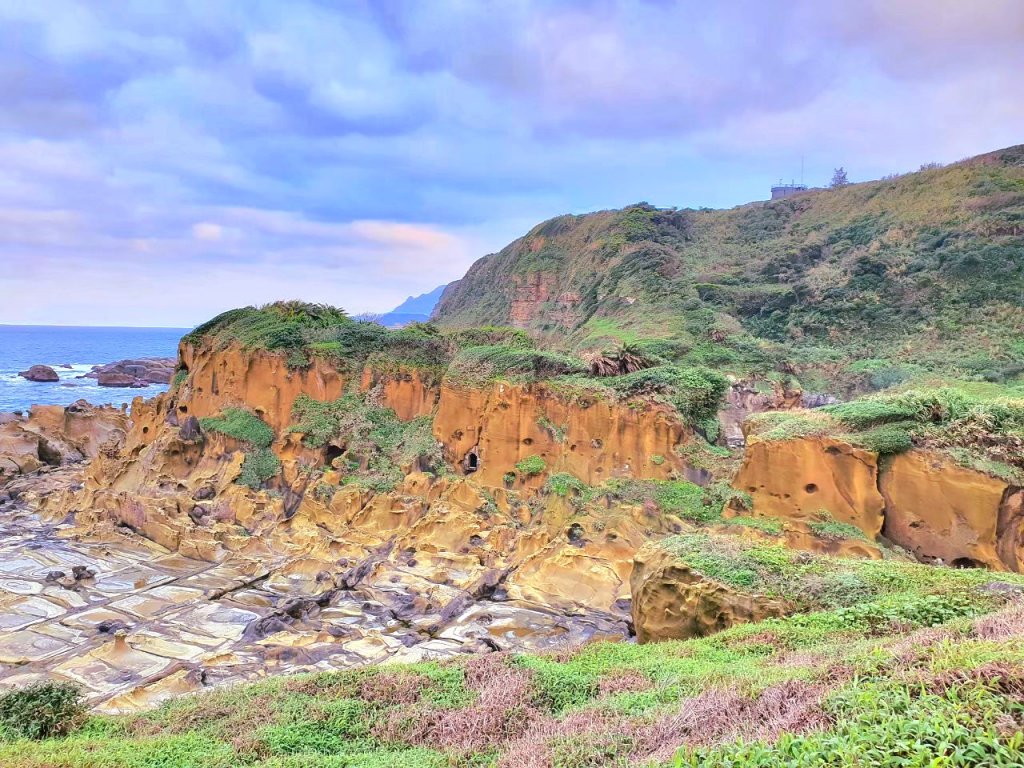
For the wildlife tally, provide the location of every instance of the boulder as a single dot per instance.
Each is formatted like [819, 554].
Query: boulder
[40, 373]
[116, 379]
[134, 373]
[674, 601]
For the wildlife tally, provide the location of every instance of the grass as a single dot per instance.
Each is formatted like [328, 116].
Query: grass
[260, 464]
[980, 427]
[241, 425]
[904, 665]
[675, 497]
[916, 275]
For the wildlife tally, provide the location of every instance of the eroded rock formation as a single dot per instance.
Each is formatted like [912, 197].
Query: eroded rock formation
[674, 601]
[52, 435]
[133, 373]
[921, 500]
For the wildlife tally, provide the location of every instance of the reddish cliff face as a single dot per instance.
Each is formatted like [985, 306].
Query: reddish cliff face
[921, 500]
[256, 379]
[485, 430]
[594, 440]
[938, 509]
[798, 479]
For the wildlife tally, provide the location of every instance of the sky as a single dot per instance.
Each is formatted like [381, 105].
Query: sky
[163, 161]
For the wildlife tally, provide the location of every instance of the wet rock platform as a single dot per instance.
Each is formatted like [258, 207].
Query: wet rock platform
[134, 624]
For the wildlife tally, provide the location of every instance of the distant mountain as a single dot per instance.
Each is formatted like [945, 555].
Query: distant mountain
[415, 309]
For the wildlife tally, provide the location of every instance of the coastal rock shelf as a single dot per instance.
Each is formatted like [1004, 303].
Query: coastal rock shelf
[141, 624]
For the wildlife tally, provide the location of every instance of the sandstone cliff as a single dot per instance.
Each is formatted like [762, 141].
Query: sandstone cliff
[921, 500]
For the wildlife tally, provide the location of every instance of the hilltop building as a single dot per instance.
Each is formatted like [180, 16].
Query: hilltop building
[780, 190]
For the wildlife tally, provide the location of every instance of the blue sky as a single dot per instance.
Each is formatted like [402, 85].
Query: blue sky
[163, 161]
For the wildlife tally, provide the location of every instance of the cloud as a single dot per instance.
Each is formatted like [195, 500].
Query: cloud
[164, 159]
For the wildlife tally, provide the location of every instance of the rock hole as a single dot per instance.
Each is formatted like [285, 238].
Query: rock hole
[471, 462]
[527, 441]
[331, 453]
[967, 562]
[832, 450]
[811, 488]
[145, 430]
[572, 447]
[575, 535]
[596, 443]
[183, 409]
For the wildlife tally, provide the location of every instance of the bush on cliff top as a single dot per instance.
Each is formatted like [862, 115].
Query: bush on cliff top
[280, 325]
[486, 363]
[695, 392]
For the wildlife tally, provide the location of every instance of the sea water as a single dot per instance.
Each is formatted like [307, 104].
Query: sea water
[22, 346]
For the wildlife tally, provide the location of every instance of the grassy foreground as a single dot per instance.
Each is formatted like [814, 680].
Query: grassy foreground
[908, 665]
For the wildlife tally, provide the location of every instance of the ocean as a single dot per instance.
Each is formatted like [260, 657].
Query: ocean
[22, 346]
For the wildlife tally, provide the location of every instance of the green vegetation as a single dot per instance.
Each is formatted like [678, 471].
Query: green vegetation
[695, 392]
[531, 465]
[826, 527]
[982, 430]
[41, 711]
[260, 463]
[898, 664]
[482, 364]
[241, 425]
[677, 497]
[857, 288]
[370, 444]
[769, 525]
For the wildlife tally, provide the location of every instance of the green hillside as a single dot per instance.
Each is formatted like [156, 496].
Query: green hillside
[855, 288]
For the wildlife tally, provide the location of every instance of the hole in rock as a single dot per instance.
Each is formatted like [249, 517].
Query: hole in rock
[333, 452]
[597, 443]
[183, 408]
[811, 488]
[967, 562]
[145, 430]
[472, 462]
[527, 441]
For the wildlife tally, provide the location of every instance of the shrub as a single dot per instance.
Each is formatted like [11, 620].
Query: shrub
[695, 392]
[531, 465]
[259, 466]
[500, 361]
[280, 325]
[563, 484]
[242, 425]
[886, 439]
[42, 711]
[376, 443]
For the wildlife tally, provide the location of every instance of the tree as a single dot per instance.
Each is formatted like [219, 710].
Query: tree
[839, 178]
